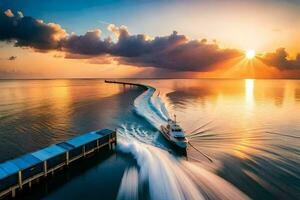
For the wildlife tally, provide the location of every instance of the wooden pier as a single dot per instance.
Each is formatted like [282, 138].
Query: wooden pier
[127, 83]
[15, 174]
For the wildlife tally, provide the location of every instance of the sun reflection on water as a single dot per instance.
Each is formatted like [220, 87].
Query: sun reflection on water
[249, 89]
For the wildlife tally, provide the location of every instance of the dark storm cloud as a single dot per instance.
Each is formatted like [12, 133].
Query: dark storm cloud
[280, 59]
[178, 53]
[88, 44]
[140, 44]
[12, 58]
[29, 32]
[174, 52]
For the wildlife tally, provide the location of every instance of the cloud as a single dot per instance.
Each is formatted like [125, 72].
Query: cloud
[88, 44]
[8, 13]
[30, 32]
[20, 14]
[12, 58]
[175, 52]
[280, 59]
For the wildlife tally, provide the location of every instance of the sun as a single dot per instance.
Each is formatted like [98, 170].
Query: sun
[250, 54]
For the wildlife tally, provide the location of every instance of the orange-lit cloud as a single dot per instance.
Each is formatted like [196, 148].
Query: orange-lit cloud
[12, 58]
[8, 13]
[281, 60]
[172, 54]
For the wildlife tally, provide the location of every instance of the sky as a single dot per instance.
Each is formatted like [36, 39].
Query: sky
[148, 39]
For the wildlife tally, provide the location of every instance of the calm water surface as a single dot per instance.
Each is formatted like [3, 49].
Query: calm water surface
[249, 128]
[37, 113]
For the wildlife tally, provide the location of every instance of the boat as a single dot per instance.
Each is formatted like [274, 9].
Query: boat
[174, 134]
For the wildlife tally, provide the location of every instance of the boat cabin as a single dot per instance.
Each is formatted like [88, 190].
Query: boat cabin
[175, 130]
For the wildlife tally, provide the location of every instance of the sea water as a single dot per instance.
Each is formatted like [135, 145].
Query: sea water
[250, 129]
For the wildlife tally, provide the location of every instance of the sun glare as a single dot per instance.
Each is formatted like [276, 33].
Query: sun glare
[250, 54]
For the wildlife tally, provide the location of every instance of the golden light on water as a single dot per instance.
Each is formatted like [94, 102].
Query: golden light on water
[249, 89]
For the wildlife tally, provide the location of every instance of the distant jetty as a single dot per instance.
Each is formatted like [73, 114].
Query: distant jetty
[127, 83]
[29, 168]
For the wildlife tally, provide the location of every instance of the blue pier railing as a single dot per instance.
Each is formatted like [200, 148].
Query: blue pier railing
[14, 174]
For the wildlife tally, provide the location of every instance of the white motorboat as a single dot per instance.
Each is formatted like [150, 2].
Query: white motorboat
[174, 134]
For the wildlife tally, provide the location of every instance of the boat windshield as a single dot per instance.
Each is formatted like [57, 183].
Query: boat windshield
[180, 138]
[176, 129]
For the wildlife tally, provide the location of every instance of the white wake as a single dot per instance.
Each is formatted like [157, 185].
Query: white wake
[160, 175]
[152, 108]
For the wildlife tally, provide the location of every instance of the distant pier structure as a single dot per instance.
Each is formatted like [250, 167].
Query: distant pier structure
[127, 83]
[15, 174]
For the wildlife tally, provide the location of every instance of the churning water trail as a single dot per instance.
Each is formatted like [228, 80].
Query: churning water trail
[151, 108]
[159, 174]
